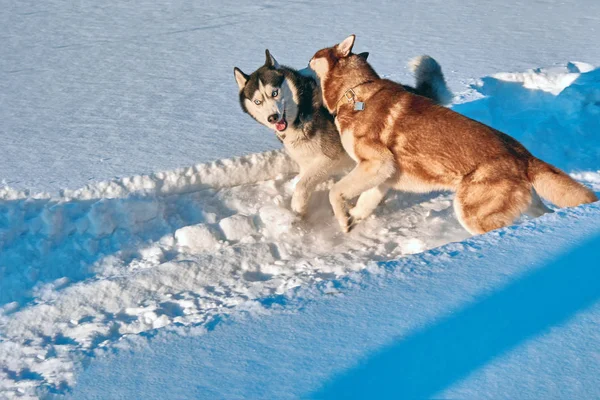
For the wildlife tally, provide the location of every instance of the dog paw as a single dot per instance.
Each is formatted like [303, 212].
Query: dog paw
[347, 223]
[358, 214]
[299, 204]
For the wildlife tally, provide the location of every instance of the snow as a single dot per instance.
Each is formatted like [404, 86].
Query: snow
[237, 227]
[91, 92]
[439, 324]
[197, 238]
[99, 269]
[145, 220]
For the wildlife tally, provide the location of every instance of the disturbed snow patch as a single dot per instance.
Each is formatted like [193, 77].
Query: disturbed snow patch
[83, 273]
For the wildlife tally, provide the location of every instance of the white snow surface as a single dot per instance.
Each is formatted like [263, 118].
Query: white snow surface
[93, 92]
[115, 253]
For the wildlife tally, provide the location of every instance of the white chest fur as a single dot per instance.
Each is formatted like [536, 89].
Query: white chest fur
[301, 150]
[347, 138]
[348, 144]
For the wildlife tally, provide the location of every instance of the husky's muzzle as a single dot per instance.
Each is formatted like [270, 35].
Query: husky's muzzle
[281, 124]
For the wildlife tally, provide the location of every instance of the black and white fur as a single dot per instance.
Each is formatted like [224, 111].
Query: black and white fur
[289, 101]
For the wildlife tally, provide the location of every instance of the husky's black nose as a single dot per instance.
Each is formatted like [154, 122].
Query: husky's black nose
[273, 118]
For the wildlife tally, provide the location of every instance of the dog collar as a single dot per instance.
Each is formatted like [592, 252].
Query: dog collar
[351, 98]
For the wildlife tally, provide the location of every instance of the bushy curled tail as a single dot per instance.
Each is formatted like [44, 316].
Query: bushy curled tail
[430, 80]
[557, 187]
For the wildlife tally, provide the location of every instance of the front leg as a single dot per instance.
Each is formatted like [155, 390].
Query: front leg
[317, 172]
[367, 175]
[368, 202]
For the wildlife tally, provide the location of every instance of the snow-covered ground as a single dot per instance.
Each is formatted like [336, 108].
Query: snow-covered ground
[440, 324]
[90, 91]
[202, 274]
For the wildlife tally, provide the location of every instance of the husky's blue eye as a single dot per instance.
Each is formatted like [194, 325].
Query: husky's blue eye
[257, 102]
[275, 93]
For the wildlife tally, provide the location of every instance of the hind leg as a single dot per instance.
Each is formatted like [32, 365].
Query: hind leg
[482, 205]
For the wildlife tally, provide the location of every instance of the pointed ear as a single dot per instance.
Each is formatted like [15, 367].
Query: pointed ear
[364, 55]
[240, 77]
[270, 60]
[345, 47]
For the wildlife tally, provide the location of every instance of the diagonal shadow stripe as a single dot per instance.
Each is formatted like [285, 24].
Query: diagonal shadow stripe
[429, 361]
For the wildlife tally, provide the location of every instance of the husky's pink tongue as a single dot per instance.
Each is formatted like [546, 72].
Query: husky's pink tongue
[281, 125]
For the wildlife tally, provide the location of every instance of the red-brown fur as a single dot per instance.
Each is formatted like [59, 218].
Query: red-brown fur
[407, 142]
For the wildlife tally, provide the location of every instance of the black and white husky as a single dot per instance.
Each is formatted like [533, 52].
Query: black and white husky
[289, 102]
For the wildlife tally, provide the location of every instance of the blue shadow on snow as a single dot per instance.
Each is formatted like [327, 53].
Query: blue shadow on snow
[431, 360]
